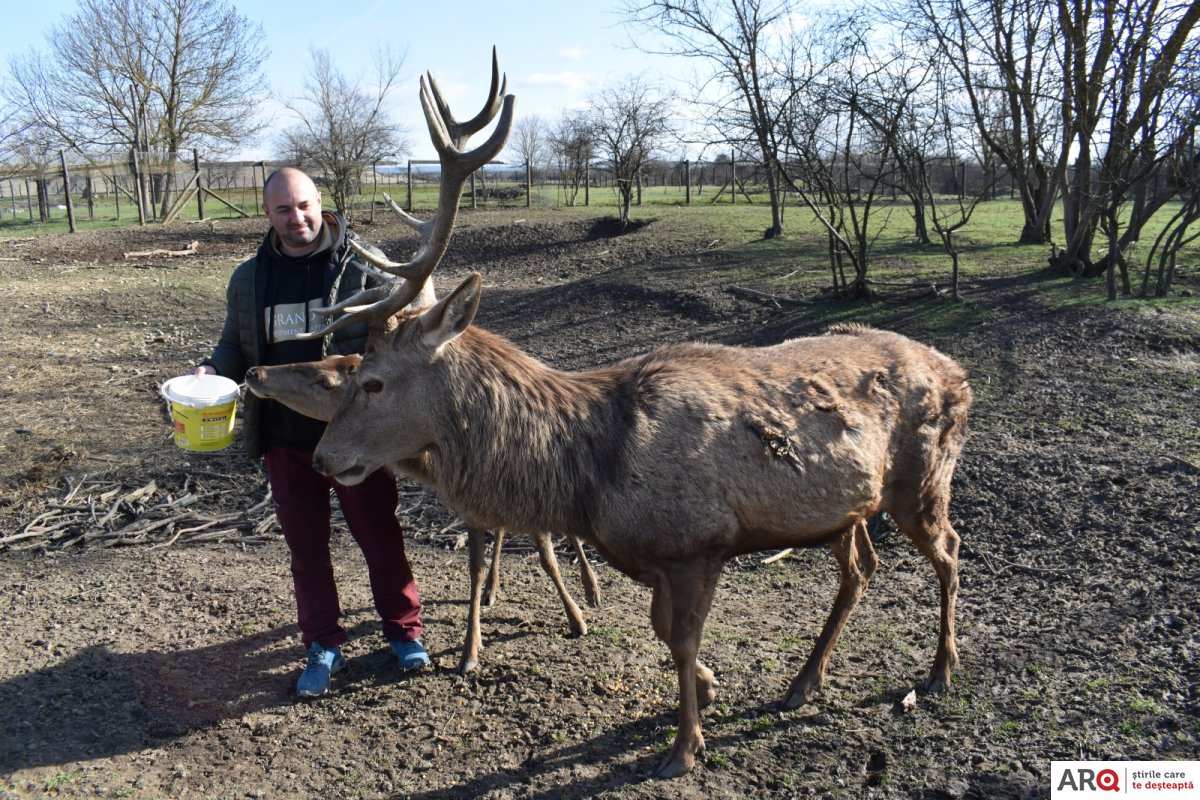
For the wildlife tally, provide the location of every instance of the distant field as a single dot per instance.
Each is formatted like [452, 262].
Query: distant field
[988, 244]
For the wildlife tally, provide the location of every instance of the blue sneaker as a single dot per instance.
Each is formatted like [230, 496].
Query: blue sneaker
[322, 663]
[412, 654]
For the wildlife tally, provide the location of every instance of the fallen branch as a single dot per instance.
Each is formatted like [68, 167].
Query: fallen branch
[782, 554]
[190, 250]
[778, 300]
[1189, 464]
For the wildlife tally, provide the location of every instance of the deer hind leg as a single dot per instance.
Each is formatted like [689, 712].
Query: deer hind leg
[545, 549]
[493, 579]
[930, 530]
[471, 644]
[680, 605]
[591, 587]
[856, 558]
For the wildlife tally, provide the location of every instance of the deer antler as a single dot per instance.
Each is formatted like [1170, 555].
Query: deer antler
[448, 137]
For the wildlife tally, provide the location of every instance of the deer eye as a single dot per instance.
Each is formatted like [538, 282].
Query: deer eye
[372, 385]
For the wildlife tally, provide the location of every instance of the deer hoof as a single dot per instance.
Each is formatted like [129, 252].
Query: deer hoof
[675, 765]
[937, 684]
[802, 691]
[467, 666]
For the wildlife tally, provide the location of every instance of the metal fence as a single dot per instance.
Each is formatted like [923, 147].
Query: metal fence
[155, 187]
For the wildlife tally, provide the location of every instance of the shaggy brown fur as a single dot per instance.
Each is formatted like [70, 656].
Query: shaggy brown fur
[672, 462]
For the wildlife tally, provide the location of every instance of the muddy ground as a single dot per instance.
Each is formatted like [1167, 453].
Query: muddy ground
[158, 664]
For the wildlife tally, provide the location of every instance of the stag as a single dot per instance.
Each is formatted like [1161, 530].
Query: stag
[669, 463]
[315, 389]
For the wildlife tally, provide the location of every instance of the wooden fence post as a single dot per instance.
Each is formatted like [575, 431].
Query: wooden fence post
[410, 198]
[199, 186]
[62, 157]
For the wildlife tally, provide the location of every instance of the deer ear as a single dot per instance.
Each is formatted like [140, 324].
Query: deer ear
[452, 314]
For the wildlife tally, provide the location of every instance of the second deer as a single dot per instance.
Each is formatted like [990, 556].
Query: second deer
[315, 389]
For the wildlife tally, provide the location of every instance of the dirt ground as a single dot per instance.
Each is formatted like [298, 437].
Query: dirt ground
[164, 668]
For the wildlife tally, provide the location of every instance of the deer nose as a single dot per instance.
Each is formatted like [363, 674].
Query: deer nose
[319, 465]
[253, 375]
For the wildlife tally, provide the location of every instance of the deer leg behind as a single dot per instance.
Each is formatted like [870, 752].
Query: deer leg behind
[930, 530]
[678, 609]
[591, 587]
[545, 549]
[493, 579]
[856, 558]
[471, 644]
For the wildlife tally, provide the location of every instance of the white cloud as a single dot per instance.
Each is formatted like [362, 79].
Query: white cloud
[568, 79]
[573, 53]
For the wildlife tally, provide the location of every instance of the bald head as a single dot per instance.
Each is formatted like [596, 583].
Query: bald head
[294, 210]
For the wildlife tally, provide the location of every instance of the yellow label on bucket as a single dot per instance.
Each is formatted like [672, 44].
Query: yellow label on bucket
[202, 411]
[203, 428]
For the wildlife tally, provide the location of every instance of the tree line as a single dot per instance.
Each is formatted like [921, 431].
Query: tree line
[1093, 105]
[1085, 108]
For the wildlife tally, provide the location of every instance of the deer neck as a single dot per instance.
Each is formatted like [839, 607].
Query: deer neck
[527, 445]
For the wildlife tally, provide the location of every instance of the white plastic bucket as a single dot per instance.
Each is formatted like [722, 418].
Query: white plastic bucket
[202, 411]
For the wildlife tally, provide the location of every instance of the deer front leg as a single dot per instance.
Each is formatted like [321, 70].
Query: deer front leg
[688, 597]
[470, 654]
[545, 550]
[591, 587]
[660, 620]
[493, 579]
[857, 559]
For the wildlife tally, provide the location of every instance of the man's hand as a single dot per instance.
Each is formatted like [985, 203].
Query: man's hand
[204, 369]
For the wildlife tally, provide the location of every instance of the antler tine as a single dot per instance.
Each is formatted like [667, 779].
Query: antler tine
[457, 167]
[405, 217]
[448, 138]
[372, 306]
[459, 132]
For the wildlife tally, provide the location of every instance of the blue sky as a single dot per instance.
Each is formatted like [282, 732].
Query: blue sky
[554, 53]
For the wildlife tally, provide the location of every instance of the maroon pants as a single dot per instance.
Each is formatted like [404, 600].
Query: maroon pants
[302, 505]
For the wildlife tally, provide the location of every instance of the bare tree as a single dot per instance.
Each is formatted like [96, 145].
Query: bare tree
[571, 148]
[343, 125]
[948, 216]
[630, 121]
[733, 37]
[1182, 169]
[1007, 62]
[529, 140]
[183, 71]
[1122, 80]
[839, 134]
[34, 150]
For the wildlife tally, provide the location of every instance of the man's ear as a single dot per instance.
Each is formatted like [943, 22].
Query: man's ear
[453, 314]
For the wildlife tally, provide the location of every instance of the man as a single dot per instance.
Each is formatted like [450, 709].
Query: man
[304, 262]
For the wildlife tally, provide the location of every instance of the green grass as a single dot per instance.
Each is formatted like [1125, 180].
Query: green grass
[795, 265]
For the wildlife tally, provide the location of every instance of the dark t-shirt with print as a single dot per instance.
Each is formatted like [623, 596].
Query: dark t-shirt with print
[295, 286]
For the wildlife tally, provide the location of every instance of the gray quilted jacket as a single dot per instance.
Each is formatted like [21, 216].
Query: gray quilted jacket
[243, 338]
